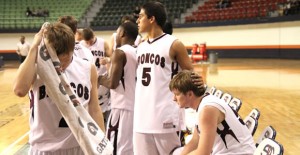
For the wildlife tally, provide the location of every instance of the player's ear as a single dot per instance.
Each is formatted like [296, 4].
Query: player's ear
[189, 93]
[152, 19]
[122, 33]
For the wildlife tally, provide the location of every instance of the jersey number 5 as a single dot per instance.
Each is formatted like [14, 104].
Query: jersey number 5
[146, 78]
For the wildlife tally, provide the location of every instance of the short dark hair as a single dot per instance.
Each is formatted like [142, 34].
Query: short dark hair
[168, 28]
[127, 18]
[157, 10]
[69, 21]
[61, 37]
[87, 34]
[130, 29]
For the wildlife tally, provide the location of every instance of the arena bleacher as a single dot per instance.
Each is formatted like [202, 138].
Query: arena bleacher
[112, 11]
[180, 12]
[237, 9]
[13, 12]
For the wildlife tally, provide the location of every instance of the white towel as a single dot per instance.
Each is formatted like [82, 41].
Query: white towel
[86, 131]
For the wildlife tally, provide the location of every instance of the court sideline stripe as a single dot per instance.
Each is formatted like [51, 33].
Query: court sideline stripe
[14, 143]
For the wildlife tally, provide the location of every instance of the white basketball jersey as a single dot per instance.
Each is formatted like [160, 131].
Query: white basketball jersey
[155, 110]
[82, 52]
[233, 137]
[123, 96]
[49, 131]
[98, 52]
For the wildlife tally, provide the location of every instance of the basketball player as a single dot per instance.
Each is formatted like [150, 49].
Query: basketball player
[113, 44]
[49, 133]
[126, 18]
[121, 81]
[157, 118]
[100, 50]
[219, 129]
[78, 35]
[79, 50]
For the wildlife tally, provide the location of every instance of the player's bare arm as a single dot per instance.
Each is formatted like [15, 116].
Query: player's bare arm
[179, 54]
[192, 144]
[94, 108]
[108, 52]
[208, 121]
[111, 44]
[26, 73]
[118, 60]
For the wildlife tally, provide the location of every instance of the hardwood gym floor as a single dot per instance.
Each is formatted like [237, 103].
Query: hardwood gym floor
[270, 85]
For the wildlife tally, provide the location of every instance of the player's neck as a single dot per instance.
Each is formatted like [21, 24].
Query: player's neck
[155, 33]
[127, 41]
[198, 101]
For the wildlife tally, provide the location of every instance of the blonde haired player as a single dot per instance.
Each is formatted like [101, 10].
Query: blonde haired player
[49, 133]
[219, 129]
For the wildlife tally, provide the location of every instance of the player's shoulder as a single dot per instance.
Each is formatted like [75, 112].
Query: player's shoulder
[100, 39]
[80, 61]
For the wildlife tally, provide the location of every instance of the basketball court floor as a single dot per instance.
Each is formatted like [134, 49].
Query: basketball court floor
[270, 85]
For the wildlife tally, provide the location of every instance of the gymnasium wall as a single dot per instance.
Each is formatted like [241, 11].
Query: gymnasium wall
[269, 40]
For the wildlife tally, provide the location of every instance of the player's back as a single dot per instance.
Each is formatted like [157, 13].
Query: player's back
[83, 52]
[123, 96]
[233, 137]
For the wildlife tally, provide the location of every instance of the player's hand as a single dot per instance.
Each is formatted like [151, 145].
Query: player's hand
[38, 36]
[104, 61]
[197, 80]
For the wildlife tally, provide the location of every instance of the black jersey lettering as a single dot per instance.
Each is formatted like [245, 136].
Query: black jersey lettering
[152, 59]
[42, 92]
[44, 53]
[174, 68]
[79, 89]
[77, 48]
[98, 53]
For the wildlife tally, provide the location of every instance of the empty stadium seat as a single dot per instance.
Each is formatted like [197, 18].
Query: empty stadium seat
[269, 147]
[268, 132]
[14, 17]
[239, 9]
[226, 97]
[251, 124]
[255, 113]
[218, 93]
[235, 104]
[119, 7]
[212, 90]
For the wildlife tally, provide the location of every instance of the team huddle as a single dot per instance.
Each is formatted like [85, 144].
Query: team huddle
[134, 88]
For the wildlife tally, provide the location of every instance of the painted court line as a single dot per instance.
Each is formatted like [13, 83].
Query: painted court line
[14, 143]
